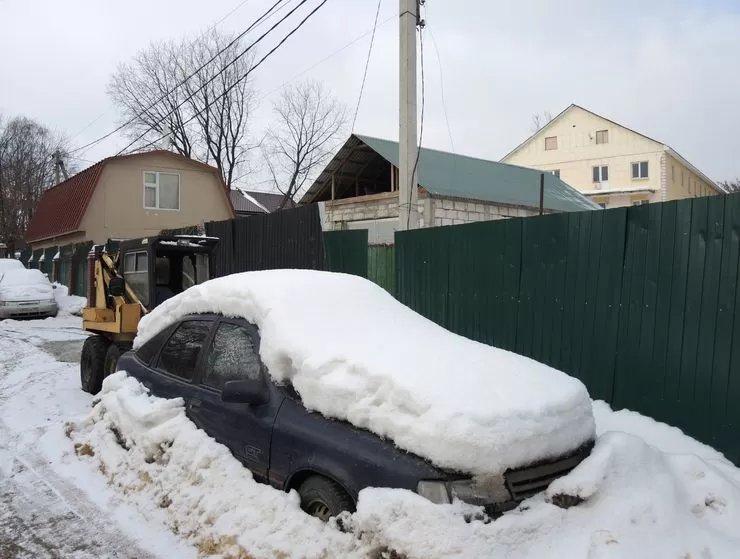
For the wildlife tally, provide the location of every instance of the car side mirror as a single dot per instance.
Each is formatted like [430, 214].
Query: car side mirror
[246, 391]
[117, 287]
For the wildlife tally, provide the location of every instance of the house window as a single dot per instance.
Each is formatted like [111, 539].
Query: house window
[640, 170]
[556, 172]
[551, 143]
[602, 204]
[161, 191]
[640, 202]
[602, 136]
[600, 173]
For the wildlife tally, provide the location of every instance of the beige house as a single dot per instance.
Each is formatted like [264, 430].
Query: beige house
[127, 197]
[611, 164]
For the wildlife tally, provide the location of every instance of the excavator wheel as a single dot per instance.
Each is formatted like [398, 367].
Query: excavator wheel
[92, 363]
[111, 359]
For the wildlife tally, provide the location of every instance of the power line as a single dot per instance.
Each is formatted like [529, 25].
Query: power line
[442, 88]
[181, 83]
[232, 86]
[329, 56]
[367, 64]
[421, 128]
[211, 28]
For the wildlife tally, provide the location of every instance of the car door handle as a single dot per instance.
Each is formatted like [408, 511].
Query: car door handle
[194, 403]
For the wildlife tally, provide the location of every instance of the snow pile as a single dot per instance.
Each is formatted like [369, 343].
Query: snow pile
[664, 437]
[69, 304]
[154, 455]
[636, 501]
[355, 353]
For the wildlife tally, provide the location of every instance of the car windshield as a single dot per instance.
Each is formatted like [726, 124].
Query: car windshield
[23, 277]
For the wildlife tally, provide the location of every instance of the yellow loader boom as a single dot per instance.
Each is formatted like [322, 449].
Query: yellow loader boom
[124, 286]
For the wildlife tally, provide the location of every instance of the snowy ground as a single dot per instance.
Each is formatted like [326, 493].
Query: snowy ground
[69, 487]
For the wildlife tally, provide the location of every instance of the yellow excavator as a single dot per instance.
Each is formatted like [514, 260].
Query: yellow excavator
[125, 285]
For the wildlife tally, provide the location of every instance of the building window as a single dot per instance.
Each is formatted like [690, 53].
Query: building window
[640, 170]
[600, 173]
[551, 143]
[602, 204]
[602, 136]
[556, 172]
[640, 202]
[161, 191]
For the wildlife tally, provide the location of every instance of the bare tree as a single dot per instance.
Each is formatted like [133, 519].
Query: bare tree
[207, 117]
[27, 166]
[731, 186]
[539, 121]
[309, 122]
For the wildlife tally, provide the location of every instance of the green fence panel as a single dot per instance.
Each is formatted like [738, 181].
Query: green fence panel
[381, 266]
[346, 252]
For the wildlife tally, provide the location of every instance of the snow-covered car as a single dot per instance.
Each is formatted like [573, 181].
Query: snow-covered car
[26, 294]
[10, 264]
[324, 383]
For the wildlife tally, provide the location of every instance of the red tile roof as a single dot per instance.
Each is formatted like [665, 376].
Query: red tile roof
[62, 207]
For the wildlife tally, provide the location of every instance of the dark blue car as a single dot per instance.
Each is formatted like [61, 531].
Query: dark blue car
[213, 363]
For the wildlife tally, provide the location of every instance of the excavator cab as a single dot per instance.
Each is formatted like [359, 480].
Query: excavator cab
[124, 286]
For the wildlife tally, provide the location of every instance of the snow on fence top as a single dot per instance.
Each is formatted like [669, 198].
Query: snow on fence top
[354, 353]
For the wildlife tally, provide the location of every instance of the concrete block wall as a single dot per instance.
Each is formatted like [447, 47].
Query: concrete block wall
[433, 211]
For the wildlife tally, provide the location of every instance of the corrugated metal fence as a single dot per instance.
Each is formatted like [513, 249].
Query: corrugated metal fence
[642, 304]
[286, 239]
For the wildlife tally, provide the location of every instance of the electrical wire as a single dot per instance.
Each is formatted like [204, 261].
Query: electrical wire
[182, 82]
[442, 88]
[211, 28]
[421, 128]
[367, 64]
[232, 86]
[329, 56]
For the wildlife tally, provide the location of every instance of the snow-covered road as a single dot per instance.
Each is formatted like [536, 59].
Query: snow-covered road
[43, 514]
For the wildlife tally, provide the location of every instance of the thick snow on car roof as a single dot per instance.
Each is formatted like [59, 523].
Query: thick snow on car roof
[355, 353]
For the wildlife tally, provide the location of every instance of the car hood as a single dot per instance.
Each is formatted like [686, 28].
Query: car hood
[17, 293]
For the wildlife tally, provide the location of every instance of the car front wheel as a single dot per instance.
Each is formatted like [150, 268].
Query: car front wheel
[92, 363]
[322, 498]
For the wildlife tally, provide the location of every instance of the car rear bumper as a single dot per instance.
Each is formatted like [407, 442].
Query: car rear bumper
[25, 309]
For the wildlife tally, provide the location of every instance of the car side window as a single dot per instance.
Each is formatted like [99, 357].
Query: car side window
[147, 352]
[233, 356]
[179, 356]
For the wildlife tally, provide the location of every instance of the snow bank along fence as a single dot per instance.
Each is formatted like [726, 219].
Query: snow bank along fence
[642, 304]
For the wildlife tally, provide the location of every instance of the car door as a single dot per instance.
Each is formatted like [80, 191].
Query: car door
[176, 364]
[245, 429]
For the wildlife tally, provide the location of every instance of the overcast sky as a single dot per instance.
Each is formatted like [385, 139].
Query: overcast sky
[667, 68]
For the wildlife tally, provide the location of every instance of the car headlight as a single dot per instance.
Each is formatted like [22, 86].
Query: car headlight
[435, 491]
[480, 491]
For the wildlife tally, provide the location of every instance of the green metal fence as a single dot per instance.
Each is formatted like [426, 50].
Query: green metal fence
[346, 251]
[642, 304]
[381, 266]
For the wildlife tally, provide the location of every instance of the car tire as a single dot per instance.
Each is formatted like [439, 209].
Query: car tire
[322, 498]
[111, 360]
[92, 363]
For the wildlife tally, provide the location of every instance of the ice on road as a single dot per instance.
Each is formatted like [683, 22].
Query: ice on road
[43, 514]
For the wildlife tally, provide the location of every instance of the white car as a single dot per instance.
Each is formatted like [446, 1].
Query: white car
[26, 294]
[10, 264]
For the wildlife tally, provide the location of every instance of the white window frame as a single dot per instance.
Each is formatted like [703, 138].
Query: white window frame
[639, 167]
[601, 173]
[155, 185]
[556, 172]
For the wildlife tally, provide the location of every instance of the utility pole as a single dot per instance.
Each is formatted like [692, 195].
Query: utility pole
[408, 215]
[59, 167]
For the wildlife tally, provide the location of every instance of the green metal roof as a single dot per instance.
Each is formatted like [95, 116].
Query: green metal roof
[447, 174]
